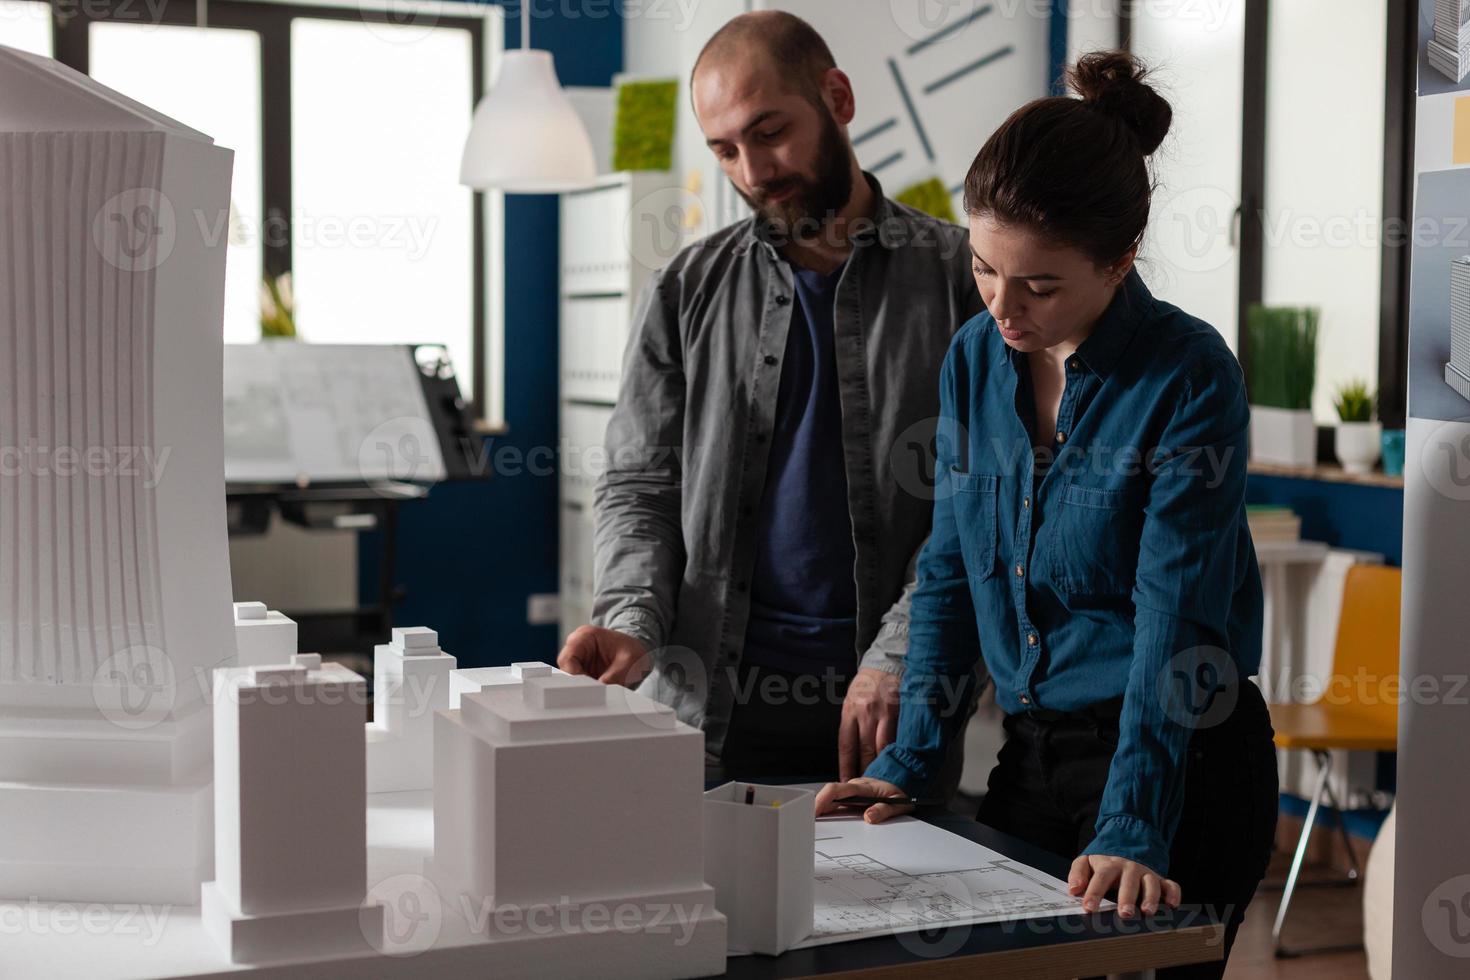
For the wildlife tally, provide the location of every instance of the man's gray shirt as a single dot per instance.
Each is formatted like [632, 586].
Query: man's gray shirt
[687, 446]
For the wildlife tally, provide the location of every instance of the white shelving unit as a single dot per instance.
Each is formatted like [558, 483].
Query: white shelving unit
[613, 237]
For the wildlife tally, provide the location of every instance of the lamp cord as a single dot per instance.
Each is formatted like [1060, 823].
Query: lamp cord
[525, 24]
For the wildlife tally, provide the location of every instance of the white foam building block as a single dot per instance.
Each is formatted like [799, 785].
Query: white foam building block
[411, 681]
[468, 680]
[290, 814]
[758, 857]
[518, 768]
[263, 636]
[115, 583]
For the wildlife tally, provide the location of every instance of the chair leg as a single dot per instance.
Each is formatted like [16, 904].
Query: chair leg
[1325, 761]
[1324, 765]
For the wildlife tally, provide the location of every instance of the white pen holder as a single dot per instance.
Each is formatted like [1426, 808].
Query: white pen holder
[759, 857]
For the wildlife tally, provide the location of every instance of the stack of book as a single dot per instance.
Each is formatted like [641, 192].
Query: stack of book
[1270, 524]
[1449, 47]
[1457, 369]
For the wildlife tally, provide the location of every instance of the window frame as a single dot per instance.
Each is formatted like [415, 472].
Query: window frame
[271, 20]
[1400, 64]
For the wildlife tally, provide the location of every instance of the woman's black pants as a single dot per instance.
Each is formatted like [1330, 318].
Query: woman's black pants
[1048, 783]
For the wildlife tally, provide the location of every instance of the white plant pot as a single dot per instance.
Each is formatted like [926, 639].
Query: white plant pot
[1284, 436]
[1358, 445]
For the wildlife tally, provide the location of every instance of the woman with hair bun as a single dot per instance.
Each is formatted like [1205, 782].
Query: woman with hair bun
[1090, 538]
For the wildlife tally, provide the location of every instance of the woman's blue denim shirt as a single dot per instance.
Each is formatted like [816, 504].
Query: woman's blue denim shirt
[1122, 568]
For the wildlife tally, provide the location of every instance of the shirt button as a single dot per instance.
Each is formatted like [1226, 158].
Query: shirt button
[770, 358]
[1031, 639]
[1072, 364]
[1025, 502]
[1020, 571]
[760, 438]
[1025, 699]
[782, 300]
[1061, 437]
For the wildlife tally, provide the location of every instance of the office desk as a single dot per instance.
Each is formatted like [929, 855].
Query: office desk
[62, 940]
[1069, 946]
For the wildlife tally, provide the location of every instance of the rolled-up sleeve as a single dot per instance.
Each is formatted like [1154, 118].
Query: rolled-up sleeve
[1189, 569]
[943, 641]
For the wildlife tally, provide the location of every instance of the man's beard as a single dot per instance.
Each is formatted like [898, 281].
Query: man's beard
[806, 212]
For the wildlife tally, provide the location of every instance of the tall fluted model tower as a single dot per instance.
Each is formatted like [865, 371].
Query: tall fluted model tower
[114, 572]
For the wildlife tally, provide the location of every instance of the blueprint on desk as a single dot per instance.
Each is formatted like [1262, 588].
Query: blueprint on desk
[905, 875]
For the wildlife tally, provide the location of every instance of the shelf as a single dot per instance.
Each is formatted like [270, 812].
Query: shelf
[1327, 473]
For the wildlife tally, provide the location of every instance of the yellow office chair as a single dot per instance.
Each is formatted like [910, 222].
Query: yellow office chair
[1357, 711]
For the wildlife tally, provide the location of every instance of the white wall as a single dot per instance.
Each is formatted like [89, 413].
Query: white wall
[882, 45]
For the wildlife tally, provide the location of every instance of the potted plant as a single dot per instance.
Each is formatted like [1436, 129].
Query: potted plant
[1283, 371]
[1359, 438]
[277, 308]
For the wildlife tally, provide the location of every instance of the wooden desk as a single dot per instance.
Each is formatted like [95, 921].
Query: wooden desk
[1066, 946]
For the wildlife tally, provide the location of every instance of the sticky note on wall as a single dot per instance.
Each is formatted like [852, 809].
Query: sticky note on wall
[1461, 149]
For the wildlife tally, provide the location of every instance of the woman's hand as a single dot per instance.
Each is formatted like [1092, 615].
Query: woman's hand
[877, 813]
[1094, 875]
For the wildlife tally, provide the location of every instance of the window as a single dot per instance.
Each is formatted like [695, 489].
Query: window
[1277, 187]
[383, 236]
[1324, 182]
[347, 121]
[1188, 251]
[26, 25]
[221, 98]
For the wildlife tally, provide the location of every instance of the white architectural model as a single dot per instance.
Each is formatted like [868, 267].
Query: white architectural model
[263, 636]
[115, 582]
[758, 846]
[290, 814]
[1457, 369]
[410, 683]
[468, 680]
[1449, 46]
[520, 769]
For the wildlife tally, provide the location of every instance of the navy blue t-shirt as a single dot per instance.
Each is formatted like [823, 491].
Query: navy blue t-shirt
[803, 609]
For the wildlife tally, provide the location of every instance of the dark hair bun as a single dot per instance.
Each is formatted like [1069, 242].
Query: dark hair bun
[1112, 82]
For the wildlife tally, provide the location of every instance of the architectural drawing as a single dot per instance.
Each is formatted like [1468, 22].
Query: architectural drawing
[906, 875]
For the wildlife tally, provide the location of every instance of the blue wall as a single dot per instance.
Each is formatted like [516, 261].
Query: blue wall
[471, 553]
[1345, 515]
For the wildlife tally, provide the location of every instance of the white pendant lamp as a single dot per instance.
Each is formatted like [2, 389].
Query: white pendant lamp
[526, 138]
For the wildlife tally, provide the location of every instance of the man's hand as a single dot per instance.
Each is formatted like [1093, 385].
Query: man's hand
[1094, 875]
[877, 813]
[610, 656]
[869, 721]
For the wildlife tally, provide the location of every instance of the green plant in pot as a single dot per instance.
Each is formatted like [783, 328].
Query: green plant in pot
[1283, 371]
[1359, 436]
